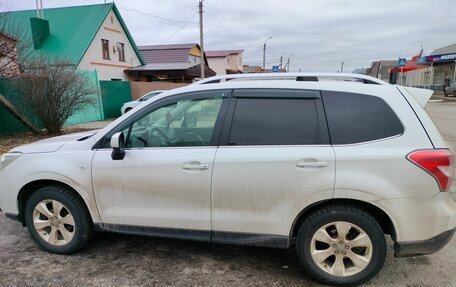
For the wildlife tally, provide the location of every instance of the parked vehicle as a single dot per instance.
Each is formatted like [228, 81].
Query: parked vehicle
[450, 90]
[326, 167]
[128, 106]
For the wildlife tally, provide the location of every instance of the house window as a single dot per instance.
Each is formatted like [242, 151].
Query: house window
[105, 46]
[121, 50]
[194, 59]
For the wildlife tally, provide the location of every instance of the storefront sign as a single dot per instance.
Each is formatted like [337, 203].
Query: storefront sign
[441, 58]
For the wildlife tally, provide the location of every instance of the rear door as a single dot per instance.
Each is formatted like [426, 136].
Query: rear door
[274, 159]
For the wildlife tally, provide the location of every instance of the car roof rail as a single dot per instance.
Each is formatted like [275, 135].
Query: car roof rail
[306, 77]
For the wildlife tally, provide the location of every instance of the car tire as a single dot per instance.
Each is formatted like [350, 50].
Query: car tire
[58, 220]
[329, 259]
[127, 110]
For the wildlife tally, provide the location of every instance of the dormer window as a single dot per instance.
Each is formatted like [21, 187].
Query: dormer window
[194, 59]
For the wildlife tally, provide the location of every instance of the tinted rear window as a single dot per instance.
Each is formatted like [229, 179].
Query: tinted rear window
[355, 118]
[272, 121]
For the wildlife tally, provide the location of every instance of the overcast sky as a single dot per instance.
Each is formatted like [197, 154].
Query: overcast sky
[318, 35]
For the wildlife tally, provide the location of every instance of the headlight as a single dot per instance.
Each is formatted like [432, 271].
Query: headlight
[7, 158]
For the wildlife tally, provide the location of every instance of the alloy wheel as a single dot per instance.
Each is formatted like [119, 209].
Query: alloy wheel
[53, 222]
[341, 248]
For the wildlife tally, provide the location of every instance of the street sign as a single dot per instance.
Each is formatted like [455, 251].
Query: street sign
[402, 62]
[275, 69]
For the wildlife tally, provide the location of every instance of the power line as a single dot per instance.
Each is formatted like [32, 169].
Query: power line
[152, 15]
[223, 20]
[183, 26]
[185, 4]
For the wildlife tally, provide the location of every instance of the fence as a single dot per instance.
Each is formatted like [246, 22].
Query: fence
[9, 124]
[114, 94]
[139, 89]
[9, 88]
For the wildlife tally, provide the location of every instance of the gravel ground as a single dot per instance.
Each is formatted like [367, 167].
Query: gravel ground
[123, 260]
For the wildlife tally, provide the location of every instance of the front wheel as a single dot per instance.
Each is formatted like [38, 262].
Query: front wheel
[58, 220]
[341, 245]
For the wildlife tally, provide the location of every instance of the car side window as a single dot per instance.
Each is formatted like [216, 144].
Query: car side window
[355, 118]
[277, 121]
[188, 122]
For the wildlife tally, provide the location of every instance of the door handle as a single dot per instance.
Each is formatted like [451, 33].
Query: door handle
[194, 166]
[312, 164]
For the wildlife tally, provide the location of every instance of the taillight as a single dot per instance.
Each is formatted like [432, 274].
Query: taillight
[437, 162]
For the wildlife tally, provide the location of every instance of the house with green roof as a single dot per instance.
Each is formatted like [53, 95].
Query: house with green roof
[91, 37]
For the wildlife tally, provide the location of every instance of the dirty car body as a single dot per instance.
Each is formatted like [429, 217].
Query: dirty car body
[261, 163]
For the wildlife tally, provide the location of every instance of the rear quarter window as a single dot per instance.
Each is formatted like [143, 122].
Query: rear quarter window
[356, 118]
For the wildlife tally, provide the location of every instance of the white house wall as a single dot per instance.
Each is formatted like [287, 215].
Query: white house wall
[218, 65]
[112, 68]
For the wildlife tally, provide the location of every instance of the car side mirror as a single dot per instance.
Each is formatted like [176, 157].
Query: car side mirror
[118, 144]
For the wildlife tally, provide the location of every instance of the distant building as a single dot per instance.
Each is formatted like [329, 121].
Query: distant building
[439, 68]
[225, 61]
[434, 71]
[9, 66]
[252, 69]
[380, 69]
[177, 63]
[91, 37]
[258, 69]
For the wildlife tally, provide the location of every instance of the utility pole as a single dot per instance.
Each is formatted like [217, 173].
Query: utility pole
[39, 9]
[342, 67]
[281, 59]
[287, 66]
[200, 11]
[264, 52]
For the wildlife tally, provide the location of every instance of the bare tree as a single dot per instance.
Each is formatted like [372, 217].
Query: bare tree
[55, 90]
[15, 49]
[15, 46]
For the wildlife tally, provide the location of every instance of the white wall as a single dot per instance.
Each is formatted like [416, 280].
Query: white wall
[112, 68]
[218, 65]
[235, 62]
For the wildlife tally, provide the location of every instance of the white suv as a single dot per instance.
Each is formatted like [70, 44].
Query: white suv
[328, 167]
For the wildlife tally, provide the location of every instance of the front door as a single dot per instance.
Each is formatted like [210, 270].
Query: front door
[164, 180]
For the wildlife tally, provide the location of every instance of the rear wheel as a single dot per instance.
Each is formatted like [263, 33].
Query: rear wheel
[127, 110]
[341, 245]
[58, 220]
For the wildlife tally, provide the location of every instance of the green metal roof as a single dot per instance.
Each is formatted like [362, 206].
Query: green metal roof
[72, 29]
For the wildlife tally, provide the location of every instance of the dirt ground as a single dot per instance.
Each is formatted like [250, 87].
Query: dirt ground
[123, 260]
